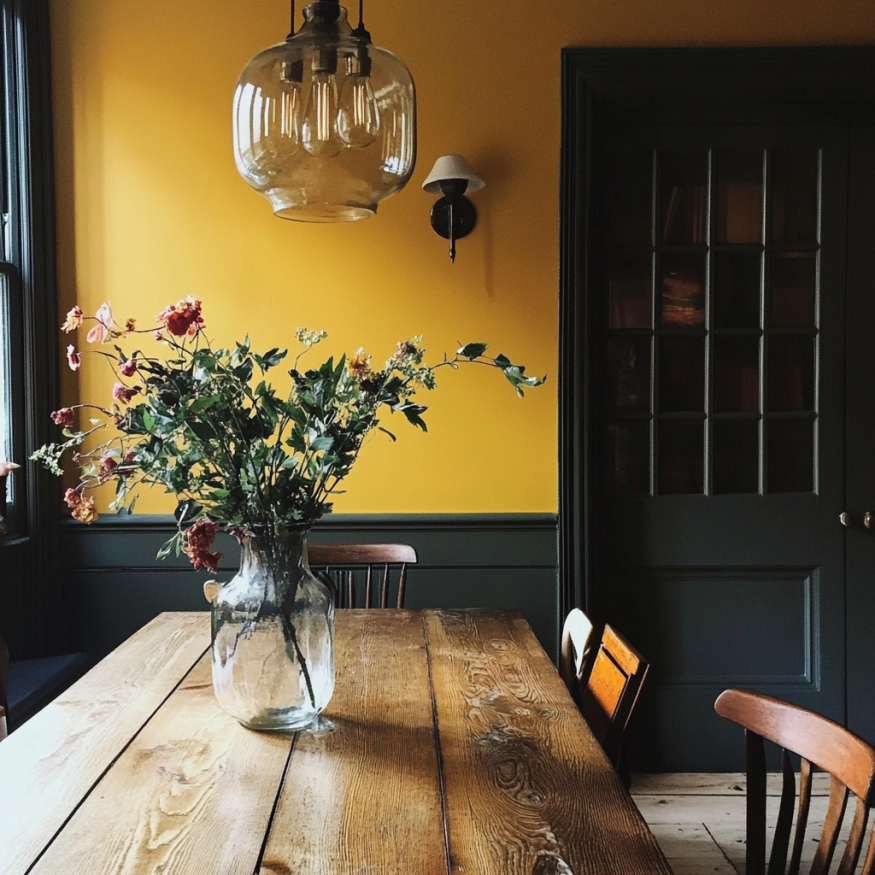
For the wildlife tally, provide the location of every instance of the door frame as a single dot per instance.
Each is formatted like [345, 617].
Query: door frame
[830, 84]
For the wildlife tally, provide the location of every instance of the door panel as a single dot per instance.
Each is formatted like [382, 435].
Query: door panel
[720, 423]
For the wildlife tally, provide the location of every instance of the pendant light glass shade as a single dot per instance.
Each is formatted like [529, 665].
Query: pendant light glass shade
[325, 122]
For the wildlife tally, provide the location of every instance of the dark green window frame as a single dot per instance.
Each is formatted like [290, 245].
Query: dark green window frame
[29, 570]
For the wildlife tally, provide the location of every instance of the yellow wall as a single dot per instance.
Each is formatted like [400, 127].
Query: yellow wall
[150, 206]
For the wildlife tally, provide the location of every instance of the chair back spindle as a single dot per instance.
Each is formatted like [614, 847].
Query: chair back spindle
[341, 566]
[820, 742]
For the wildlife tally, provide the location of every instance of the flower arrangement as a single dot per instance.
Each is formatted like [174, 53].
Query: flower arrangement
[204, 423]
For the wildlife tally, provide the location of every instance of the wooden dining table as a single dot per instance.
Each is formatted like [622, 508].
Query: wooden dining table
[450, 746]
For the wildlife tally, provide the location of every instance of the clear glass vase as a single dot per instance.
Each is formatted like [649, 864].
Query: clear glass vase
[273, 635]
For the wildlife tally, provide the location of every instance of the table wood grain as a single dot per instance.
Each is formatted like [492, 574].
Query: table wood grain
[450, 746]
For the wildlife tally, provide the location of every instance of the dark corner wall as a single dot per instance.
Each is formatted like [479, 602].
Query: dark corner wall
[116, 585]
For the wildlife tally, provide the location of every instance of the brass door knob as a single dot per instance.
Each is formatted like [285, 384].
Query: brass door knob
[846, 519]
[868, 520]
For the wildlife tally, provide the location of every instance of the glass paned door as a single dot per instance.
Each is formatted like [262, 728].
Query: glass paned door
[710, 286]
[719, 373]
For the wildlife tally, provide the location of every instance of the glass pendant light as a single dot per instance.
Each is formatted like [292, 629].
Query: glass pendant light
[325, 122]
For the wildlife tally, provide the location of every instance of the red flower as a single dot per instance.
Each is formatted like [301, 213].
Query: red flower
[123, 393]
[64, 417]
[72, 497]
[73, 358]
[85, 511]
[107, 467]
[183, 317]
[198, 540]
[128, 368]
[74, 319]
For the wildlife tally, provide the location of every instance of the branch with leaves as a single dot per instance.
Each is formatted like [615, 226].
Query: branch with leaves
[207, 425]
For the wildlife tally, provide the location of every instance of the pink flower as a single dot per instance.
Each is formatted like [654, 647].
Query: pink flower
[103, 330]
[183, 317]
[158, 335]
[64, 417]
[128, 368]
[74, 319]
[123, 393]
[72, 497]
[73, 358]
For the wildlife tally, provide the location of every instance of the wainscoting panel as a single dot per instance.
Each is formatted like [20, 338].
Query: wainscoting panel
[705, 629]
[489, 560]
[733, 626]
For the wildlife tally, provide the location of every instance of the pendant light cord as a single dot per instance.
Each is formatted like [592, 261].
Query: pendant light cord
[292, 18]
[361, 15]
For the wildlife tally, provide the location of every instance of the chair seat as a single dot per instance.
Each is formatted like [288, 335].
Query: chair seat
[33, 683]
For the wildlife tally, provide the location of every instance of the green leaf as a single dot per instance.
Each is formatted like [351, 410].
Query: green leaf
[502, 361]
[472, 350]
[203, 430]
[186, 511]
[203, 403]
[412, 412]
[322, 443]
[386, 431]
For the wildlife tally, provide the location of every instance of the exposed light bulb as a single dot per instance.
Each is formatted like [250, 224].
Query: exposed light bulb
[319, 129]
[358, 119]
[291, 104]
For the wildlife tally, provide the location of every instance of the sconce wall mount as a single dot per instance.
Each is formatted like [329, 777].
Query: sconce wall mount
[453, 216]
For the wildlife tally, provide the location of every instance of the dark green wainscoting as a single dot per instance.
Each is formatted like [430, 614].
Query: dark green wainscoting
[465, 560]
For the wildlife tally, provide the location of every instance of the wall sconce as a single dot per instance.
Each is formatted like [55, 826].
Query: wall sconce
[453, 216]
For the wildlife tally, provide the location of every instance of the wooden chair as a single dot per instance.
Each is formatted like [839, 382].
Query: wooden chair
[849, 760]
[610, 693]
[574, 655]
[339, 566]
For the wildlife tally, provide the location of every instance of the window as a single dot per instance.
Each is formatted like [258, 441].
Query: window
[28, 369]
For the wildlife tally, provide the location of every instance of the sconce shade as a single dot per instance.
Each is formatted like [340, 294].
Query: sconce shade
[324, 123]
[452, 167]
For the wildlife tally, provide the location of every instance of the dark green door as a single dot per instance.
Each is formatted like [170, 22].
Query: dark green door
[719, 396]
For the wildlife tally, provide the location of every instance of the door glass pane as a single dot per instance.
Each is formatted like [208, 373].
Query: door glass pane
[681, 374]
[736, 368]
[739, 207]
[629, 290]
[630, 194]
[737, 290]
[790, 456]
[791, 373]
[681, 457]
[629, 457]
[792, 290]
[794, 191]
[683, 197]
[628, 382]
[682, 284]
[735, 457]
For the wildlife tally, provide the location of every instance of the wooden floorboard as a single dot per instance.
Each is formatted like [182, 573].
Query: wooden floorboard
[699, 819]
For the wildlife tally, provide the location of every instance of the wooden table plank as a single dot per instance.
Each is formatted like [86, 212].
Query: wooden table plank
[192, 794]
[365, 798]
[50, 764]
[528, 790]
